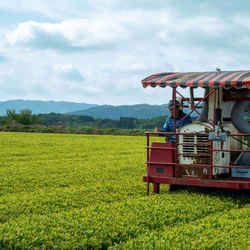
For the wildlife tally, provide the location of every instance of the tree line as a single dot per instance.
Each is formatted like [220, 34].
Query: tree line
[82, 120]
[54, 122]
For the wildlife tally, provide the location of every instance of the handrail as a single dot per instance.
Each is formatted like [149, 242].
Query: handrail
[195, 164]
[210, 166]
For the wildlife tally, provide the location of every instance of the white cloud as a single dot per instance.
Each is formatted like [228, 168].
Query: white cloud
[2, 58]
[98, 51]
[75, 34]
[39, 36]
[127, 31]
[68, 72]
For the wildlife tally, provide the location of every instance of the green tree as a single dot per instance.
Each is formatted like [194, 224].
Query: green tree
[24, 117]
[11, 115]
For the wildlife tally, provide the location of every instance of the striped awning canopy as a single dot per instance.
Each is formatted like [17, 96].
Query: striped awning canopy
[224, 79]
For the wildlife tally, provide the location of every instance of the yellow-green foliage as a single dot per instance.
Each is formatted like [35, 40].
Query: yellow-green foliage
[86, 192]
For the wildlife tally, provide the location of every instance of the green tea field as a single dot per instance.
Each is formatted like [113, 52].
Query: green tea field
[62, 191]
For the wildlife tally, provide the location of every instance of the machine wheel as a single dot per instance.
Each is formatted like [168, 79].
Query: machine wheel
[173, 188]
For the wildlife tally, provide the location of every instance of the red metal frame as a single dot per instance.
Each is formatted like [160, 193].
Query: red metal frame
[228, 182]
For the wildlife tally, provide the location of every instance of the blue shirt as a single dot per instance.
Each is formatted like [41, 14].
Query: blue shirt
[169, 124]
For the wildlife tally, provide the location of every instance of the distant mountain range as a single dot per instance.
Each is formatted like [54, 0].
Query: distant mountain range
[145, 111]
[43, 107]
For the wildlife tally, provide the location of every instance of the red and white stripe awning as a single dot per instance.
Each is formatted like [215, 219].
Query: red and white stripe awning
[224, 79]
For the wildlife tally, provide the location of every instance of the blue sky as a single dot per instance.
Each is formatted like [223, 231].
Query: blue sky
[98, 51]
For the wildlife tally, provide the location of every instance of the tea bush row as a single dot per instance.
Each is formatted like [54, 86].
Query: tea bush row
[62, 191]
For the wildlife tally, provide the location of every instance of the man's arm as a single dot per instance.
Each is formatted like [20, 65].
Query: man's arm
[187, 120]
[166, 127]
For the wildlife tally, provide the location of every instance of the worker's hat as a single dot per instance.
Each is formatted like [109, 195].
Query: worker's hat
[171, 104]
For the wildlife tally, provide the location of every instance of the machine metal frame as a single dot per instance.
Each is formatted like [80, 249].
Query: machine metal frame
[163, 158]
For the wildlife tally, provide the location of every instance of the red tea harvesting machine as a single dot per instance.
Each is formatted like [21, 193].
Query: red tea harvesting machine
[214, 150]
